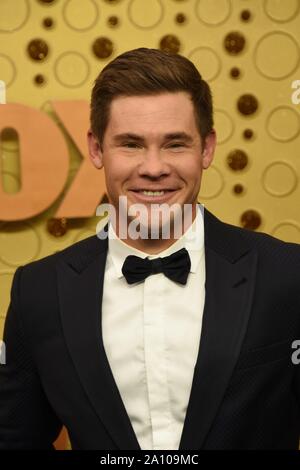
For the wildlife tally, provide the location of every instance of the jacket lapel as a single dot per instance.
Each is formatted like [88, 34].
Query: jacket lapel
[230, 276]
[80, 287]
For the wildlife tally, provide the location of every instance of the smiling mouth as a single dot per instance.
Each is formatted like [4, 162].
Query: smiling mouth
[154, 192]
[148, 196]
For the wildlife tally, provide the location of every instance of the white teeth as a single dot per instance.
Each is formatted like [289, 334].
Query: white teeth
[153, 193]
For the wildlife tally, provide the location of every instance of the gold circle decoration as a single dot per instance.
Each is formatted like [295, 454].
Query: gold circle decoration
[235, 72]
[283, 123]
[250, 219]
[213, 12]
[247, 104]
[238, 189]
[72, 14]
[13, 15]
[288, 231]
[245, 15]
[279, 179]
[19, 243]
[170, 43]
[57, 227]
[145, 18]
[39, 79]
[280, 64]
[71, 69]
[248, 134]
[102, 47]
[113, 21]
[237, 160]
[224, 125]
[8, 70]
[180, 18]
[207, 61]
[281, 11]
[38, 49]
[234, 42]
[212, 183]
[48, 22]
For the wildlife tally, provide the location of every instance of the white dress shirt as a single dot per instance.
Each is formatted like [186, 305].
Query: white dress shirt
[151, 334]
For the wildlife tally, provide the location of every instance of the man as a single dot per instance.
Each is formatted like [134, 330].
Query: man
[155, 342]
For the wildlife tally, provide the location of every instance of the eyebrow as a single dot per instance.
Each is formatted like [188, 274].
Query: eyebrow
[127, 136]
[170, 136]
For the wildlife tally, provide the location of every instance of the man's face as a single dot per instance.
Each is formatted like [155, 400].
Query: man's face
[152, 143]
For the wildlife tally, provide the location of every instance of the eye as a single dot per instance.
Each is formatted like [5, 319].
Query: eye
[177, 144]
[130, 145]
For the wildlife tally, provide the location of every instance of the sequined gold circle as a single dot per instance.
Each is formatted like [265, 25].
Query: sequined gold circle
[102, 47]
[238, 188]
[57, 227]
[180, 18]
[250, 219]
[39, 79]
[248, 134]
[247, 104]
[113, 21]
[235, 72]
[170, 43]
[48, 23]
[245, 15]
[237, 160]
[234, 42]
[38, 49]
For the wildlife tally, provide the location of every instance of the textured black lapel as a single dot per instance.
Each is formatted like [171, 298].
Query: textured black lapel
[230, 278]
[80, 287]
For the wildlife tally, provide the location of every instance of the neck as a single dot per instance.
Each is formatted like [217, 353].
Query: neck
[158, 244]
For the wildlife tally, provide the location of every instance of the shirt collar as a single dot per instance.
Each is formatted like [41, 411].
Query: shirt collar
[192, 240]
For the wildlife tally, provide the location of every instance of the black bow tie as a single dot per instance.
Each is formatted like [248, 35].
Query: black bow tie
[176, 267]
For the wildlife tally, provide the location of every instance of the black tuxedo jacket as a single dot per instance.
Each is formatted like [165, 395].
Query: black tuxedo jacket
[246, 389]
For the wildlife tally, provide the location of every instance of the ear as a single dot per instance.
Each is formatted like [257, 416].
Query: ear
[95, 150]
[209, 149]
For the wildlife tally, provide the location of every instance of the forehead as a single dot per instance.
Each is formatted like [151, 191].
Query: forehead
[167, 111]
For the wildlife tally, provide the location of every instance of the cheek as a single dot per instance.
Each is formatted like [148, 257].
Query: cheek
[191, 173]
[115, 170]
[117, 173]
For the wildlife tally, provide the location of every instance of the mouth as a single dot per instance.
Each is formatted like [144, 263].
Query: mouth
[158, 195]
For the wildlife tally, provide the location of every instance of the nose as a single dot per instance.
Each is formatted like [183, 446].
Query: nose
[153, 165]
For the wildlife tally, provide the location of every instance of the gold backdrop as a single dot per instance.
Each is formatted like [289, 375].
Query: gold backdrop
[249, 53]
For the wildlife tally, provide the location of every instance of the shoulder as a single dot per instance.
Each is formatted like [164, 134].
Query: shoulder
[268, 244]
[231, 237]
[46, 266]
